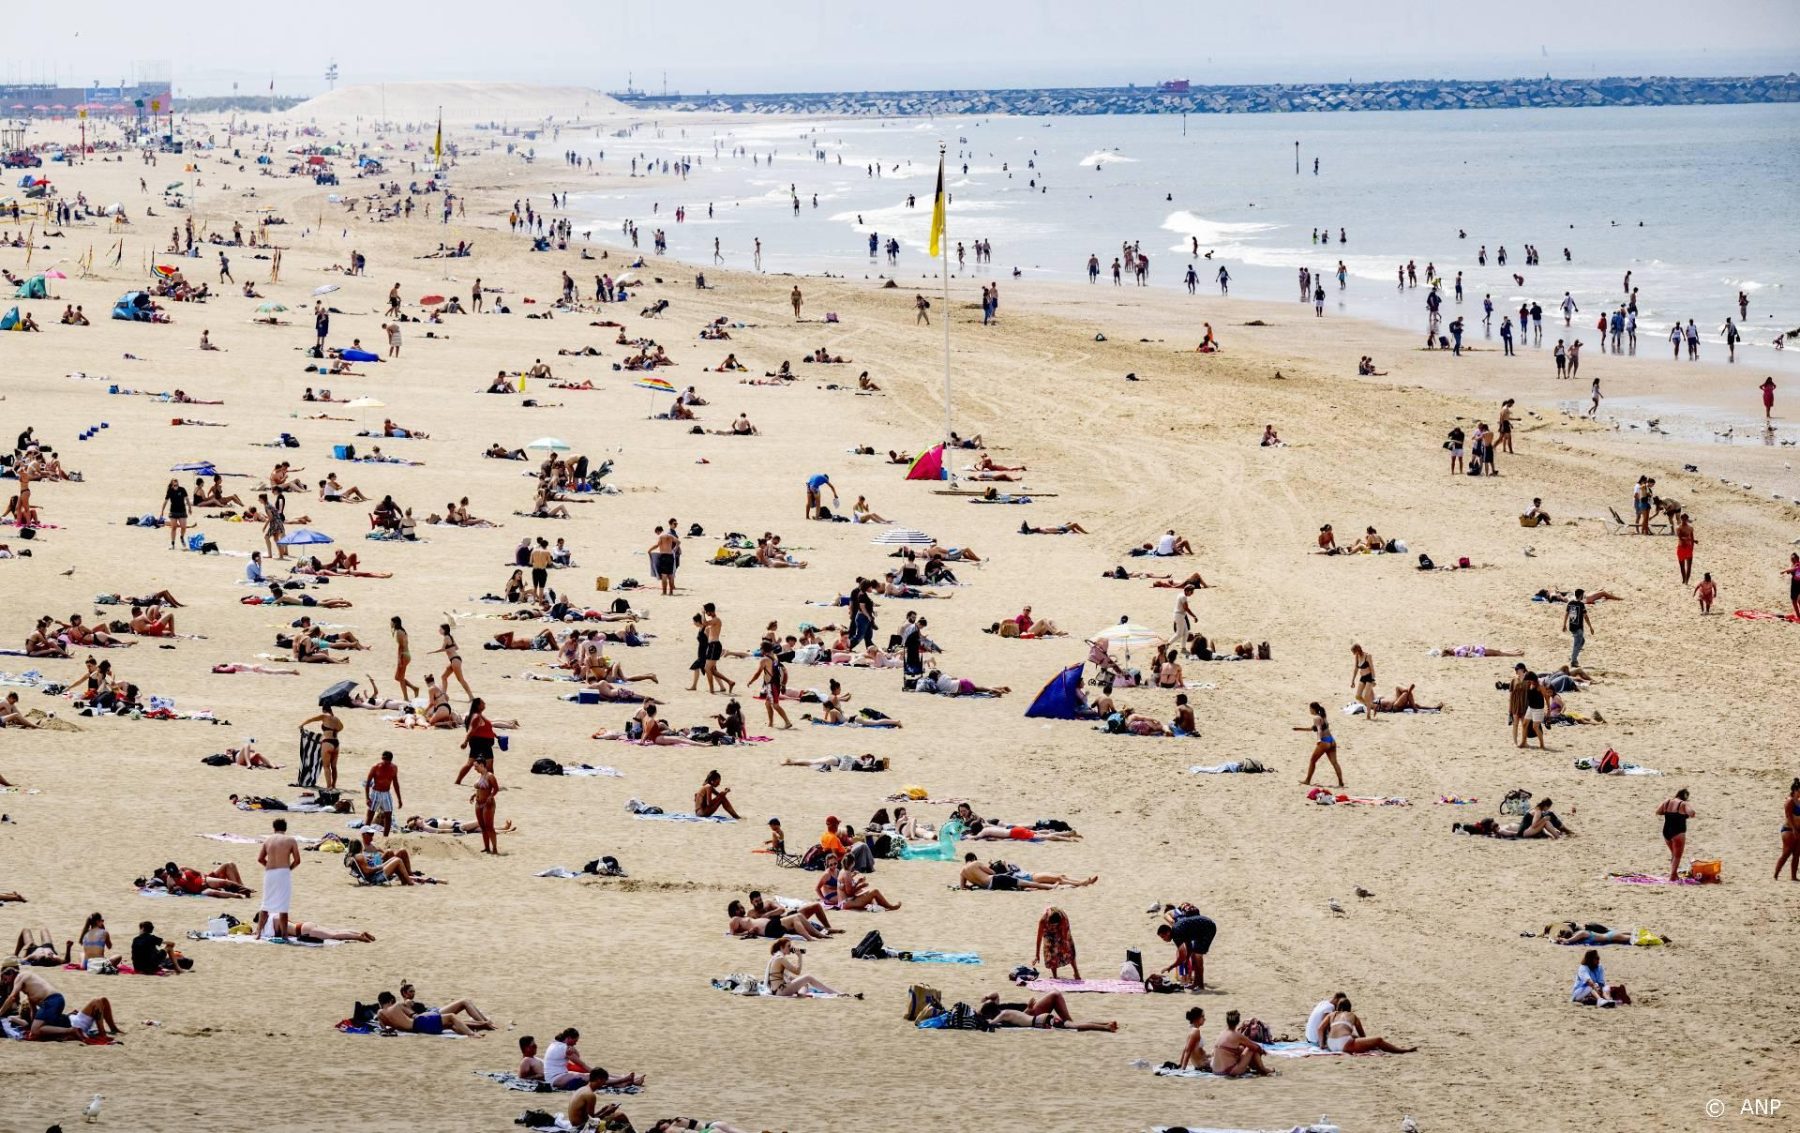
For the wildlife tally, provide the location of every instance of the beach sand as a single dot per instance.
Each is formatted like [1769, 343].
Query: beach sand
[1435, 958]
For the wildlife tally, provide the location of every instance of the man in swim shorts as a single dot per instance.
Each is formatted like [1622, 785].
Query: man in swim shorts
[1192, 934]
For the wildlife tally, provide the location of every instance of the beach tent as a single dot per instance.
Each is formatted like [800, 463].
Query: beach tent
[10, 320]
[34, 288]
[1061, 698]
[133, 306]
[359, 356]
[929, 466]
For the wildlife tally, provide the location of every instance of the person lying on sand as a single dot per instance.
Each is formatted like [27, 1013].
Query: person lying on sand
[1404, 701]
[1060, 529]
[1568, 932]
[1473, 651]
[222, 881]
[768, 926]
[1049, 1011]
[1164, 582]
[975, 875]
[398, 1016]
[416, 825]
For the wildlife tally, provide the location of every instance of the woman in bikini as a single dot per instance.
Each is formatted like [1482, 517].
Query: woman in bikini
[768, 928]
[452, 660]
[1325, 747]
[486, 787]
[329, 728]
[782, 977]
[712, 798]
[1362, 681]
[1344, 1035]
[404, 645]
[1790, 834]
[95, 942]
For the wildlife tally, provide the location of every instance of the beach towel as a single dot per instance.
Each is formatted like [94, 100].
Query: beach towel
[1324, 797]
[587, 771]
[311, 759]
[1235, 767]
[13, 1030]
[525, 1086]
[1764, 616]
[747, 986]
[1106, 987]
[249, 938]
[687, 817]
[1649, 879]
[346, 1027]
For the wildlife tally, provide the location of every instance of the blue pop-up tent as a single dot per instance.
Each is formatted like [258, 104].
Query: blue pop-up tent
[1061, 698]
[133, 306]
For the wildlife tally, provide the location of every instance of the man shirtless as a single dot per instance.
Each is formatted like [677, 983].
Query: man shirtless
[44, 1004]
[975, 875]
[279, 857]
[586, 1107]
[399, 1016]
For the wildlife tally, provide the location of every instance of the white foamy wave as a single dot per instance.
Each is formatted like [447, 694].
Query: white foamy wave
[1214, 231]
[1103, 157]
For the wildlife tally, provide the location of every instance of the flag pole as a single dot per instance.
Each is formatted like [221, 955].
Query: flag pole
[944, 248]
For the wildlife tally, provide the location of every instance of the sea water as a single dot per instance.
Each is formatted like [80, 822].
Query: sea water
[1697, 202]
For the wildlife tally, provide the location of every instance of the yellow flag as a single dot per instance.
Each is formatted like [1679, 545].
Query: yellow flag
[937, 211]
[438, 155]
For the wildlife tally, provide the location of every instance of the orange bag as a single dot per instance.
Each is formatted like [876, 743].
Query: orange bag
[1708, 872]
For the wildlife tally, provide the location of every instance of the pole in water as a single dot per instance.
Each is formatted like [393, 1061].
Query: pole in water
[1296, 159]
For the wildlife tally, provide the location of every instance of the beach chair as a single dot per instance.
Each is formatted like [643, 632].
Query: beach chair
[1618, 526]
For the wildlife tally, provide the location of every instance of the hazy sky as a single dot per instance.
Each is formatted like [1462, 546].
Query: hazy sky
[785, 45]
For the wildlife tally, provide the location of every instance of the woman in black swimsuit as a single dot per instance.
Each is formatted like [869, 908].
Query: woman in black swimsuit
[329, 727]
[699, 665]
[1790, 834]
[1362, 681]
[175, 507]
[1675, 814]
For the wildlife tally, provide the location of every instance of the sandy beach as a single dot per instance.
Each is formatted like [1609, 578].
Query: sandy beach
[1437, 957]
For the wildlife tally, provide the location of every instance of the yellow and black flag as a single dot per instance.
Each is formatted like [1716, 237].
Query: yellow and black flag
[937, 210]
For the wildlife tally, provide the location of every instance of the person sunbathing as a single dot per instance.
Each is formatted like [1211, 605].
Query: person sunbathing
[841, 887]
[313, 933]
[398, 1016]
[1049, 1011]
[1404, 701]
[248, 756]
[986, 464]
[866, 383]
[975, 875]
[223, 881]
[416, 825]
[332, 492]
[712, 798]
[1475, 651]
[768, 926]
[1557, 594]
[35, 948]
[1193, 580]
[1568, 932]
[1060, 529]
[1344, 1034]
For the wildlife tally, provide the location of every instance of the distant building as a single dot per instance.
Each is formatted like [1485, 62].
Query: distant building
[1175, 86]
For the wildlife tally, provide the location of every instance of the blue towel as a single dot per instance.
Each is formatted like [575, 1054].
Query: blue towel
[930, 957]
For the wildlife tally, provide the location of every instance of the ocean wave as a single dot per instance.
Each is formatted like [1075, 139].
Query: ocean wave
[1103, 157]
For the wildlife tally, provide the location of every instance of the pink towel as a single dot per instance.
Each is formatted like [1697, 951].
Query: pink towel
[1647, 879]
[1111, 987]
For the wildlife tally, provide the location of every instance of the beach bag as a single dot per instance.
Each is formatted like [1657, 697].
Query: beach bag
[363, 1015]
[621, 606]
[1609, 763]
[1425, 562]
[1256, 1031]
[535, 1119]
[1517, 801]
[1709, 872]
[813, 858]
[922, 1002]
[546, 766]
[601, 582]
[870, 947]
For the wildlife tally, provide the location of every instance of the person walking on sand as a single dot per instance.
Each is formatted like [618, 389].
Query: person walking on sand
[1684, 548]
[1675, 813]
[922, 307]
[1793, 573]
[1790, 834]
[1326, 745]
[403, 646]
[1706, 592]
[1594, 392]
[797, 300]
[279, 857]
[381, 793]
[475, 296]
[1768, 396]
[712, 626]
[1577, 622]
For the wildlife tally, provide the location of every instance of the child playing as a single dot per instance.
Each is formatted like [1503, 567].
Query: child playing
[1706, 592]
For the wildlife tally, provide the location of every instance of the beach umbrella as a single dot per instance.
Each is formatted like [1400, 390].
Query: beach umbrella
[430, 300]
[304, 536]
[270, 308]
[40, 106]
[903, 536]
[18, 106]
[165, 270]
[54, 274]
[58, 106]
[172, 186]
[325, 289]
[365, 403]
[660, 385]
[1129, 635]
[550, 444]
